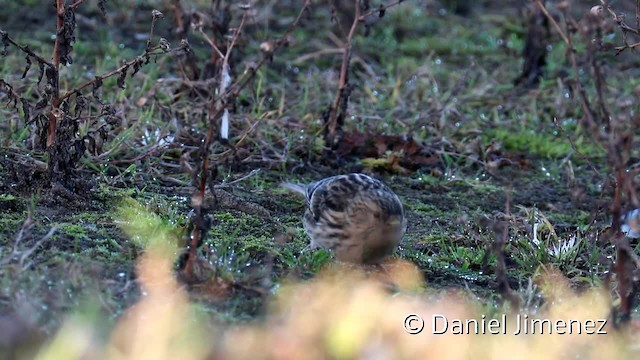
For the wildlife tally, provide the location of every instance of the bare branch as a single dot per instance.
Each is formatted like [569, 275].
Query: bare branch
[554, 23]
[25, 49]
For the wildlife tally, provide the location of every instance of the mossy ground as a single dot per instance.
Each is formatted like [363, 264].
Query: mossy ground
[443, 78]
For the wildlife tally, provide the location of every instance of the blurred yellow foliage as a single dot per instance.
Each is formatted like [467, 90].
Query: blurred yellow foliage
[344, 313]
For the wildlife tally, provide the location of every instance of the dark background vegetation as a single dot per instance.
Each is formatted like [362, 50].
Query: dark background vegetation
[512, 149]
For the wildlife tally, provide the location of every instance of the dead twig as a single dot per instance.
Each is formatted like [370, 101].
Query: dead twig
[341, 100]
[615, 136]
[335, 115]
[501, 230]
[227, 91]
[21, 256]
[200, 225]
[589, 118]
[234, 89]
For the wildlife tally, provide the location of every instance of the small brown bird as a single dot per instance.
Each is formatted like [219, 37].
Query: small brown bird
[356, 216]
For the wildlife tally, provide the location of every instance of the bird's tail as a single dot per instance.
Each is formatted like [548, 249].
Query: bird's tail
[295, 187]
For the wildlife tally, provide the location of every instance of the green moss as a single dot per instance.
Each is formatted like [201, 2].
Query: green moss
[578, 218]
[542, 144]
[74, 230]
[9, 224]
[7, 197]
[426, 208]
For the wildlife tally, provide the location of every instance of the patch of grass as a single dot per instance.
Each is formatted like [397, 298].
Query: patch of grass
[579, 218]
[7, 197]
[425, 208]
[237, 239]
[542, 144]
[10, 222]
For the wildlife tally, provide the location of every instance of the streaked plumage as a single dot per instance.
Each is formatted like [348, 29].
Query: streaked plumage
[356, 216]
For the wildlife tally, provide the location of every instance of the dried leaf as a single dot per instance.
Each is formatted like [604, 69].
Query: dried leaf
[11, 95]
[122, 77]
[81, 103]
[102, 7]
[92, 144]
[26, 109]
[390, 152]
[5, 42]
[39, 107]
[41, 73]
[28, 66]
[137, 65]
[97, 84]
[67, 38]
[52, 78]
[42, 104]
